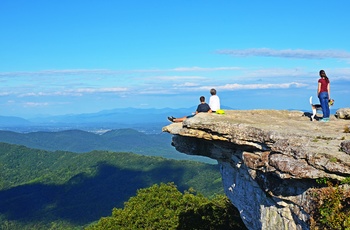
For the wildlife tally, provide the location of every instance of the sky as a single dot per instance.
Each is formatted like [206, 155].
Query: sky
[72, 57]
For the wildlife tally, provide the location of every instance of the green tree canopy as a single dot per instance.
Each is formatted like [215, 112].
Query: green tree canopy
[165, 207]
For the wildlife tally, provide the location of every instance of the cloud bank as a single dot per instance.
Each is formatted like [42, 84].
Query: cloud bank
[287, 53]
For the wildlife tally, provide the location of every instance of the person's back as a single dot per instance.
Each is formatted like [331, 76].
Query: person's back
[203, 107]
[214, 101]
[323, 92]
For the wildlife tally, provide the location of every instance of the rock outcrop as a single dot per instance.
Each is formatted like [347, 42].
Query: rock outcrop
[343, 113]
[269, 160]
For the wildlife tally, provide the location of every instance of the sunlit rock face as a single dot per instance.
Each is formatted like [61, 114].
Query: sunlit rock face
[343, 113]
[269, 160]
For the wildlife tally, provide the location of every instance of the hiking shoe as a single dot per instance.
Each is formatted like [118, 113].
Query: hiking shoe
[171, 119]
[324, 120]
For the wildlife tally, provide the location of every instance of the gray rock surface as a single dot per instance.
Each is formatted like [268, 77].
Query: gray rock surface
[345, 146]
[269, 160]
[343, 113]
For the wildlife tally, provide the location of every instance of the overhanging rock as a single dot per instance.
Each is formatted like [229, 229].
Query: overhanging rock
[269, 160]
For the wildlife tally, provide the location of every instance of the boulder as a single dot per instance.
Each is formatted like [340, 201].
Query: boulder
[343, 113]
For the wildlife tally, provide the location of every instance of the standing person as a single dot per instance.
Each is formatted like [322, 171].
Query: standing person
[323, 92]
[214, 101]
[203, 107]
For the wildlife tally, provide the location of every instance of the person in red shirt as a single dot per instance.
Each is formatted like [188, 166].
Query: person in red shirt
[323, 92]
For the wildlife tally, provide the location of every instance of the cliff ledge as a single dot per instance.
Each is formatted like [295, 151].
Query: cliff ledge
[269, 160]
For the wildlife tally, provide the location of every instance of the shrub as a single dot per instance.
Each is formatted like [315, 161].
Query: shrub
[347, 129]
[332, 208]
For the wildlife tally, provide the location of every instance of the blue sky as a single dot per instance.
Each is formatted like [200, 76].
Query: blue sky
[64, 57]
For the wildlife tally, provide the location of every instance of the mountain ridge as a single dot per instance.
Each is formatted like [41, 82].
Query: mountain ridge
[149, 120]
[118, 140]
[39, 187]
[112, 119]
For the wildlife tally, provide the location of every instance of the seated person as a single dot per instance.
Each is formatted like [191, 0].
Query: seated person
[214, 101]
[201, 108]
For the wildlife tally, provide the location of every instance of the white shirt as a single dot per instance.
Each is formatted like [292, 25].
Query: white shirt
[214, 103]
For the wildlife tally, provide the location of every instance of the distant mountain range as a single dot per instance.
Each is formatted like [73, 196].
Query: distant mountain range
[147, 120]
[119, 140]
[8, 121]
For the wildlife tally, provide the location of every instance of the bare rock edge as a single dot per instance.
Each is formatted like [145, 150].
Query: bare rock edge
[269, 160]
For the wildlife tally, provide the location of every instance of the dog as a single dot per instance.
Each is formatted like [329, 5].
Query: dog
[316, 107]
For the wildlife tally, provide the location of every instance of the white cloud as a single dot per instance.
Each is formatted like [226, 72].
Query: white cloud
[74, 92]
[261, 86]
[287, 53]
[186, 84]
[30, 94]
[99, 90]
[54, 72]
[57, 93]
[156, 84]
[189, 69]
[174, 78]
[36, 104]
[4, 93]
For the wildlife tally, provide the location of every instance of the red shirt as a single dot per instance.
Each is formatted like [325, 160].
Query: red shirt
[324, 85]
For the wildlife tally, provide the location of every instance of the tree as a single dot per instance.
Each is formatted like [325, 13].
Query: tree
[164, 207]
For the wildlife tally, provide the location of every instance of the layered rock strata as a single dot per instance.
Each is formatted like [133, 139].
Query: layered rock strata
[269, 160]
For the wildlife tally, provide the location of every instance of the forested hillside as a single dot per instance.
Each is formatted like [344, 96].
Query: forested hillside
[119, 140]
[43, 188]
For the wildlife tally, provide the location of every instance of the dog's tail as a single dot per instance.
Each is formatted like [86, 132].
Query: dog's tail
[311, 100]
